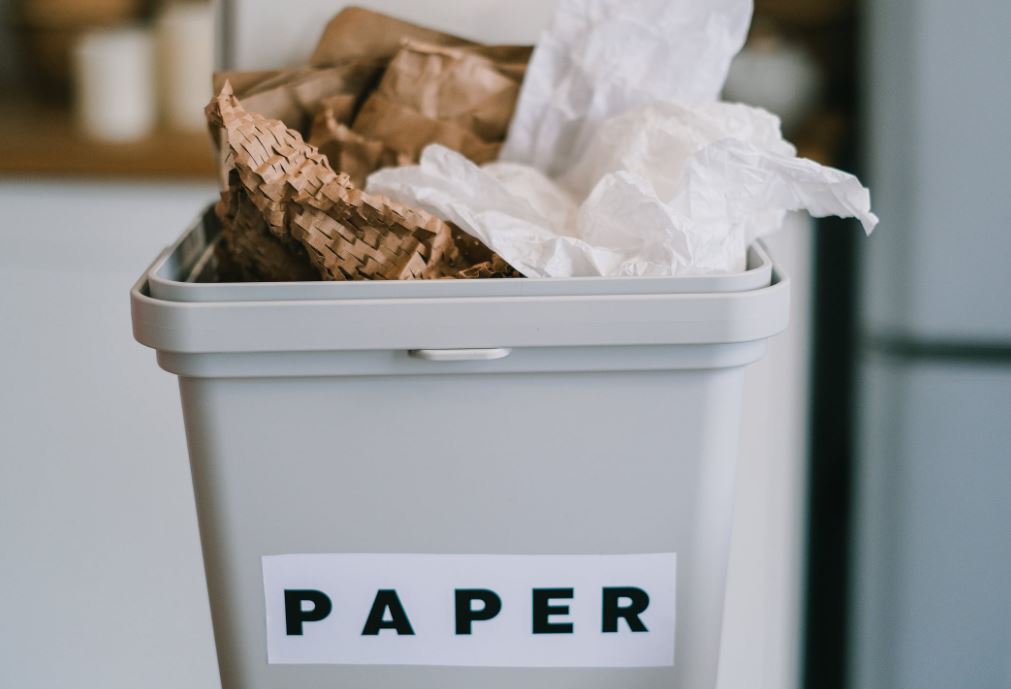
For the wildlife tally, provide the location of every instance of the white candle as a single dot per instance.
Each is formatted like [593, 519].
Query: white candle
[186, 57]
[114, 81]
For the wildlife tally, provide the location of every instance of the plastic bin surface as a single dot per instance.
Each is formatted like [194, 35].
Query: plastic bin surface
[604, 421]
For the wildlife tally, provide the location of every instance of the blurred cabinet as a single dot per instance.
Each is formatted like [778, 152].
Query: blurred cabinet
[934, 556]
[939, 153]
[931, 597]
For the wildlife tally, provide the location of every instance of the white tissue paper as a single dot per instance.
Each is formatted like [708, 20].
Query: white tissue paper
[600, 58]
[620, 160]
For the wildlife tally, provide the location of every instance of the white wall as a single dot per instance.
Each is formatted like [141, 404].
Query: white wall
[267, 33]
[100, 578]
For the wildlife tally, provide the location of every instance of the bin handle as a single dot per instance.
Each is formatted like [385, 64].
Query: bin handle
[460, 354]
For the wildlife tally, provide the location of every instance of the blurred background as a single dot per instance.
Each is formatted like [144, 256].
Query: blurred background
[872, 541]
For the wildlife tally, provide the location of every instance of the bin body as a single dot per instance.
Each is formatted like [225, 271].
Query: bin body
[555, 449]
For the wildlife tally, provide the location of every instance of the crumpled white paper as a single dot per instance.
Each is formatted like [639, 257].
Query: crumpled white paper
[600, 58]
[625, 164]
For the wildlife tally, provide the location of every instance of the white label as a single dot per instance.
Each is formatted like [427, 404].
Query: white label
[471, 610]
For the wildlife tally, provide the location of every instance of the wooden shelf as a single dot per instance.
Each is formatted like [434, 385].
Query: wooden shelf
[38, 142]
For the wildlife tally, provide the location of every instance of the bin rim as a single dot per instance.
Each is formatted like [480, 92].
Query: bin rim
[171, 277]
[473, 322]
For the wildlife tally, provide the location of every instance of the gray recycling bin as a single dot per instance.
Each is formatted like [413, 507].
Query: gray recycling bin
[462, 483]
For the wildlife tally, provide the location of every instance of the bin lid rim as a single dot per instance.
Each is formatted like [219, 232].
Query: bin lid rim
[171, 276]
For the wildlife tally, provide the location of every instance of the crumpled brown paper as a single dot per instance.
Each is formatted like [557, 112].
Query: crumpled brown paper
[295, 95]
[284, 203]
[376, 92]
[379, 89]
[352, 153]
[453, 85]
[433, 94]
